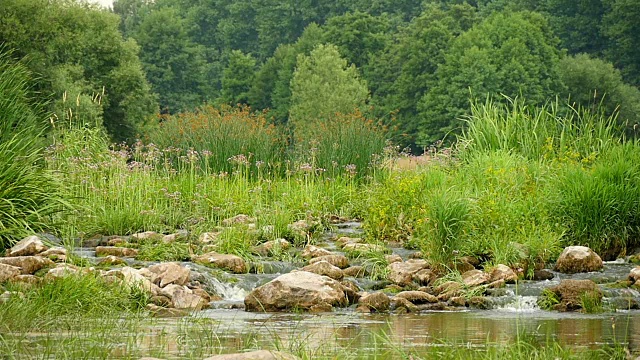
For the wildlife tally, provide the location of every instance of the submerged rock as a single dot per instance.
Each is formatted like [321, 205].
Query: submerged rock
[297, 290]
[31, 245]
[116, 251]
[232, 263]
[255, 355]
[577, 259]
[326, 269]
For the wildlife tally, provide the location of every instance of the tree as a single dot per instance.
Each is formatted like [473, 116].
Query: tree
[595, 83]
[513, 54]
[77, 50]
[622, 26]
[324, 85]
[238, 78]
[175, 66]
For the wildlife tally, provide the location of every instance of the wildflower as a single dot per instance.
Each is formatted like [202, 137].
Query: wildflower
[350, 169]
[306, 167]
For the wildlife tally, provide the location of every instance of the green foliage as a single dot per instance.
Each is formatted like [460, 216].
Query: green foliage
[597, 85]
[324, 85]
[76, 48]
[548, 299]
[508, 53]
[621, 25]
[29, 196]
[237, 78]
[153, 250]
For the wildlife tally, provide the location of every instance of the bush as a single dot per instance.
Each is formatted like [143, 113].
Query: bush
[28, 194]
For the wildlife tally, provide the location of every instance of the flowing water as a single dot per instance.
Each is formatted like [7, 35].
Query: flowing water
[514, 312]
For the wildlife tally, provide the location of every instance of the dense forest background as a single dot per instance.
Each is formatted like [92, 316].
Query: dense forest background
[412, 65]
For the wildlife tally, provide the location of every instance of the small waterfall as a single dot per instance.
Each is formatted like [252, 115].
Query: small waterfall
[522, 304]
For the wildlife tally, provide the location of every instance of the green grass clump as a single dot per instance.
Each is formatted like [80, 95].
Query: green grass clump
[153, 250]
[29, 195]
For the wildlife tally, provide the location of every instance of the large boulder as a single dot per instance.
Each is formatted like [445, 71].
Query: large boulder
[31, 245]
[577, 259]
[297, 290]
[340, 261]
[27, 264]
[169, 273]
[569, 294]
[326, 269]
[401, 273]
[116, 251]
[8, 272]
[232, 263]
[255, 355]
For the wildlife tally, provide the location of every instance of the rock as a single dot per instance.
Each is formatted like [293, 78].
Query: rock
[312, 251]
[401, 273]
[8, 295]
[351, 290]
[303, 227]
[146, 235]
[111, 260]
[131, 277]
[577, 259]
[29, 246]
[417, 255]
[439, 306]
[571, 292]
[448, 290]
[634, 275]
[209, 237]
[462, 266]
[345, 240]
[27, 264]
[393, 258]
[296, 290]
[398, 303]
[374, 302]
[543, 274]
[116, 251]
[475, 278]
[256, 355]
[186, 299]
[240, 219]
[169, 273]
[159, 311]
[471, 260]
[271, 247]
[61, 271]
[29, 280]
[160, 300]
[496, 284]
[8, 272]
[171, 238]
[457, 301]
[355, 271]
[480, 302]
[361, 248]
[326, 269]
[232, 263]
[203, 294]
[503, 272]
[340, 261]
[425, 277]
[57, 254]
[417, 297]
[116, 241]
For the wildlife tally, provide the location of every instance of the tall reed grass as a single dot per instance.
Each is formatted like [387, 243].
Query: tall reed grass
[29, 196]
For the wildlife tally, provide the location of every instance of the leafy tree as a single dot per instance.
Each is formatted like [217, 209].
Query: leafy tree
[77, 51]
[324, 85]
[175, 66]
[508, 53]
[596, 83]
[622, 26]
[238, 78]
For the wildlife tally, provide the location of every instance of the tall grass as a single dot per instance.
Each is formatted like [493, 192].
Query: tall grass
[551, 131]
[28, 195]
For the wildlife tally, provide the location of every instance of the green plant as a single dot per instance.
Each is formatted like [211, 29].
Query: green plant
[548, 299]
